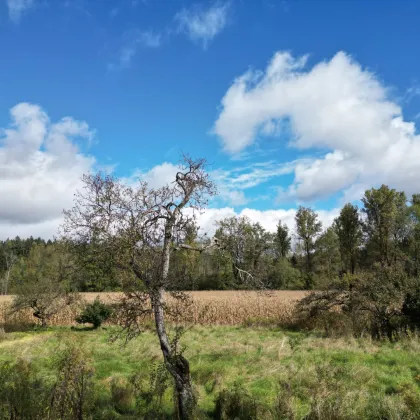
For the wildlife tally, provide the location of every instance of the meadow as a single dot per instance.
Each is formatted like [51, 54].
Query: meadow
[271, 372]
[244, 362]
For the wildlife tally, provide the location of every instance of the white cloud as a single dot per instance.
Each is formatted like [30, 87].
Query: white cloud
[236, 198]
[18, 7]
[268, 218]
[254, 174]
[202, 25]
[336, 105]
[40, 168]
[132, 41]
[158, 176]
[232, 183]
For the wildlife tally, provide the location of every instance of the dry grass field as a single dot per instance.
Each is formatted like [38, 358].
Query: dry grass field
[205, 307]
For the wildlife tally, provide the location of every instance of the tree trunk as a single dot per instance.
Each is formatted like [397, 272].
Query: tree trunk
[177, 365]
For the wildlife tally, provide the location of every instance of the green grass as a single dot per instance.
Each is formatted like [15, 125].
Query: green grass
[264, 362]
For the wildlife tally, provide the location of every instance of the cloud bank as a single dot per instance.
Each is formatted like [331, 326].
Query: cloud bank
[336, 105]
[40, 168]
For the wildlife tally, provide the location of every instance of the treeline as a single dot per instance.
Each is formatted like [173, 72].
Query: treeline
[385, 231]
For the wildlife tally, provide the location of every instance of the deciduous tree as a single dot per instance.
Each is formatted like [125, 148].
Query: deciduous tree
[141, 228]
[308, 227]
[282, 241]
[245, 243]
[349, 230]
[386, 216]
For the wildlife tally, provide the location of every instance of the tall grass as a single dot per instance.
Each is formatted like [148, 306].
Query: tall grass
[237, 372]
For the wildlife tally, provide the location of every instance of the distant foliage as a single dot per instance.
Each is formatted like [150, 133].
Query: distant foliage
[411, 307]
[371, 303]
[95, 313]
[43, 282]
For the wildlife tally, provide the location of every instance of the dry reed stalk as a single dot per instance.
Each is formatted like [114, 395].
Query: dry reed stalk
[206, 308]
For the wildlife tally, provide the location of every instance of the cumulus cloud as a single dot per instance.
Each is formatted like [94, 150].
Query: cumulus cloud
[336, 105]
[202, 25]
[157, 177]
[40, 168]
[18, 7]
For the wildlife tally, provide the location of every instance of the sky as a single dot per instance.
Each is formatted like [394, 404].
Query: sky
[294, 102]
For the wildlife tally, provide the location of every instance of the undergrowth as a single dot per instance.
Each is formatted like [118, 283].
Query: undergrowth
[238, 372]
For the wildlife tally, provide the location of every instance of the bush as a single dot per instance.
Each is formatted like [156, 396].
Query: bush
[95, 313]
[26, 394]
[368, 302]
[23, 395]
[72, 396]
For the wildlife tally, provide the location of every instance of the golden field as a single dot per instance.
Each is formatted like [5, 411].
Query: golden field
[205, 307]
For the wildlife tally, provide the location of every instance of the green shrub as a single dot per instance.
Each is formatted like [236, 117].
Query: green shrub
[94, 313]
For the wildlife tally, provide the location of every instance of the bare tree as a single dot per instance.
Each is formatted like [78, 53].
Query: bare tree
[141, 227]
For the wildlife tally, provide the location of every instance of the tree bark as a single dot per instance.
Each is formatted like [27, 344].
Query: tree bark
[177, 365]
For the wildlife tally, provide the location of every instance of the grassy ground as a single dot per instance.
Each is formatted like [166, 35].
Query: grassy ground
[305, 370]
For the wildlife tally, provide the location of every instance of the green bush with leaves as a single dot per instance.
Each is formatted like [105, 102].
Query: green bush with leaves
[95, 313]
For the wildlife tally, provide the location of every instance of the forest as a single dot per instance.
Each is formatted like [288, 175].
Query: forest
[384, 232]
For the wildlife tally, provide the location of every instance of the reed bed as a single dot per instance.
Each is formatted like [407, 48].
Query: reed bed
[203, 308]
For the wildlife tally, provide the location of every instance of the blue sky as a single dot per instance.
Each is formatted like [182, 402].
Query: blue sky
[292, 102]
